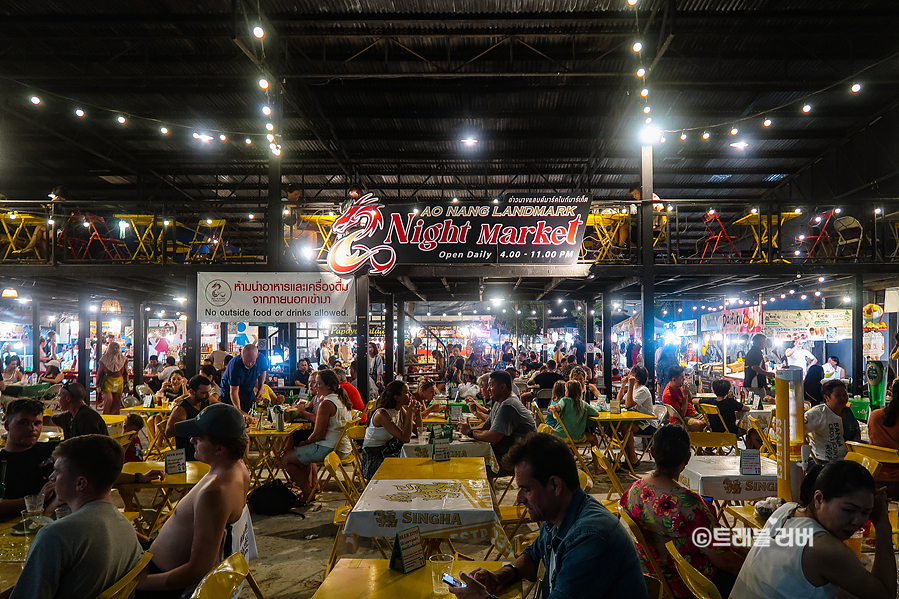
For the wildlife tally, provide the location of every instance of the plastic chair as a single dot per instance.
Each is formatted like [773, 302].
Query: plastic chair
[717, 440]
[870, 464]
[609, 503]
[653, 564]
[850, 235]
[699, 585]
[767, 445]
[124, 587]
[885, 455]
[225, 579]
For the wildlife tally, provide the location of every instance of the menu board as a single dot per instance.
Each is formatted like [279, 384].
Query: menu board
[808, 325]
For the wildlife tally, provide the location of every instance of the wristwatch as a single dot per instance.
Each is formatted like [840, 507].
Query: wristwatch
[514, 569]
[491, 597]
[136, 477]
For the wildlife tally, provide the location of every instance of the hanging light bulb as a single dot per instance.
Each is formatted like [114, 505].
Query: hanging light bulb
[706, 135]
[641, 72]
[683, 136]
[637, 46]
[79, 113]
[122, 120]
[807, 108]
[263, 83]
[734, 130]
[35, 100]
[164, 130]
[259, 32]
[767, 123]
[269, 127]
[856, 87]
[266, 110]
[632, 2]
[646, 109]
[644, 92]
[248, 141]
[270, 138]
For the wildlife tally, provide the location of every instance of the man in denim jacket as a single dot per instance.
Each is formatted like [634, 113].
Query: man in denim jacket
[584, 548]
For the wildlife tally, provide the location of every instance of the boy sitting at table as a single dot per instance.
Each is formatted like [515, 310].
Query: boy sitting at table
[728, 408]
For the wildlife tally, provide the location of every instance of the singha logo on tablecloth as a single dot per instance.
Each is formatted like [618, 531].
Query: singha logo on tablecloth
[425, 491]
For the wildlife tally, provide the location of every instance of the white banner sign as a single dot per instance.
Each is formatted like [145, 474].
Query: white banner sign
[275, 297]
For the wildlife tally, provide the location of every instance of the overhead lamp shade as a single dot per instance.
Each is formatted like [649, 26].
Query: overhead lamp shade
[10, 292]
[111, 306]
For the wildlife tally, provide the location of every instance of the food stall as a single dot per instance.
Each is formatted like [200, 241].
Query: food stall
[830, 331]
[726, 339]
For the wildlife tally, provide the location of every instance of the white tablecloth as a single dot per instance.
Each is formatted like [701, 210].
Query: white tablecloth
[458, 449]
[719, 477]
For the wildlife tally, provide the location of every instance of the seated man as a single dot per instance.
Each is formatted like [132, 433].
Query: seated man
[189, 544]
[166, 373]
[78, 418]
[300, 376]
[508, 421]
[28, 463]
[677, 395]
[355, 398]
[197, 399]
[545, 380]
[586, 551]
[84, 553]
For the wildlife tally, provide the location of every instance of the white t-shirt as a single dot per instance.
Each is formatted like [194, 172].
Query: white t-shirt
[643, 399]
[825, 430]
[801, 358]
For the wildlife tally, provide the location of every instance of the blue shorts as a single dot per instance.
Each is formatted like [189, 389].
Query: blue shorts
[313, 452]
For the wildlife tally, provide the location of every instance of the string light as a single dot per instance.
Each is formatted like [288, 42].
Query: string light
[646, 109]
[706, 135]
[269, 127]
[767, 123]
[35, 100]
[263, 83]
[79, 113]
[856, 87]
[270, 138]
[754, 211]
[632, 2]
[267, 111]
[683, 136]
[806, 108]
[734, 131]
[644, 92]
[252, 216]
[817, 294]
[122, 120]
[164, 130]
[248, 141]
[259, 32]
[740, 145]
[223, 137]
[641, 72]
[637, 47]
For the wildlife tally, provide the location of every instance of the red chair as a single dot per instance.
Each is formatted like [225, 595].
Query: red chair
[817, 239]
[718, 237]
[105, 246]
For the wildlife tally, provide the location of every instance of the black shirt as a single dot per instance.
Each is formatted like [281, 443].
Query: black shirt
[85, 422]
[580, 352]
[299, 377]
[182, 442]
[546, 380]
[25, 474]
[727, 408]
[751, 378]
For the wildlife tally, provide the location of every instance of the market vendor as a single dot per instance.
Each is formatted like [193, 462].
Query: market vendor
[243, 379]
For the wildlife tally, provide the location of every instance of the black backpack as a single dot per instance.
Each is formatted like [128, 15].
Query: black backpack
[272, 499]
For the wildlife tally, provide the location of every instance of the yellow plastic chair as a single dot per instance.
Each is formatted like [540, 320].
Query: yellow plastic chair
[767, 445]
[124, 439]
[713, 410]
[707, 440]
[124, 587]
[699, 585]
[640, 540]
[885, 455]
[617, 487]
[225, 578]
[870, 464]
[575, 446]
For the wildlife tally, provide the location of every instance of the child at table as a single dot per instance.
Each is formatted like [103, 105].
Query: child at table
[571, 409]
[134, 424]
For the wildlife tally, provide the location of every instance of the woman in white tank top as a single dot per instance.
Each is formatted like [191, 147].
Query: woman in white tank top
[390, 427]
[805, 556]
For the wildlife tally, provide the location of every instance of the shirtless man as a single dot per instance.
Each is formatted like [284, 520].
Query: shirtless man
[189, 544]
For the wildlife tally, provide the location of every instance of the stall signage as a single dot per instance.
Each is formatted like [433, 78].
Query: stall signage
[274, 297]
[685, 328]
[158, 332]
[710, 322]
[516, 229]
[741, 320]
[349, 330]
[808, 325]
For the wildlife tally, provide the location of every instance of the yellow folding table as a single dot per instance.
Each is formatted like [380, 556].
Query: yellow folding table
[166, 487]
[19, 228]
[143, 226]
[758, 224]
[613, 441]
[271, 445]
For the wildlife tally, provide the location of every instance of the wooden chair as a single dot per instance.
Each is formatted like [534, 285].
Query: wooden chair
[707, 440]
[225, 578]
[699, 585]
[870, 464]
[617, 487]
[640, 540]
[124, 587]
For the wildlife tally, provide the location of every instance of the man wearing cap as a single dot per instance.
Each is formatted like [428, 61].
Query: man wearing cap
[198, 389]
[77, 417]
[243, 379]
[190, 542]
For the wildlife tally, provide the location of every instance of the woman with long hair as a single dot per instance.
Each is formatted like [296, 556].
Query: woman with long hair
[12, 373]
[835, 501]
[559, 351]
[440, 364]
[424, 394]
[389, 427]
[111, 371]
[53, 375]
[574, 412]
[883, 430]
[634, 395]
[812, 385]
[331, 417]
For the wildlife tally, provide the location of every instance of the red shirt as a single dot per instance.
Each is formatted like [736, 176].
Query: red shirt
[355, 398]
[674, 397]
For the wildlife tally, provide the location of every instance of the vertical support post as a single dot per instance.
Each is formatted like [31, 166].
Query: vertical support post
[544, 353]
[362, 285]
[590, 338]
[389, 348]
[36, 335]
[649, 315]
[607, 343]
[223, 331]
[140, 344]
[293, 359]
[858, 360]
[84, 346]
[192, 349]
[400, 336]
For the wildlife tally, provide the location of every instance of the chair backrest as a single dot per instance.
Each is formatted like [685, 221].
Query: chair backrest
[544, 394]
[610, 471]
[225, 578]
[673, 413]
[332, 463]
[848, 228]
[767, 446]
[886, 455]
[370, 405]
[872, 465]
[144, 390]
[545, 428]
[124, 587]
[356, 433]
[53, 390]
[585, 481]
[124, 439]
[712, 410]
[640, 540]
[699, 585]
[707, 439]
[661, 413]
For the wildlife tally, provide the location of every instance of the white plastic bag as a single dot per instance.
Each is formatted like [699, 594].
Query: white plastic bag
[467, 390]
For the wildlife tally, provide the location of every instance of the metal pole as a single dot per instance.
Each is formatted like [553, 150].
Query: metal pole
[84, 346]
[389, 346]
[607, 343]
[400, 336]
[590, 338]
[293, 359]
[139, 344]
[192, 345]
[362, 287]
[274, 212]
[649, 315]
[858, 360]
[35, 335]
[544, 353]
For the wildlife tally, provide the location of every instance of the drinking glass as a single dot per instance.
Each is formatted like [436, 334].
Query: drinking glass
[440, 564]
[34, 502]
[63, 511]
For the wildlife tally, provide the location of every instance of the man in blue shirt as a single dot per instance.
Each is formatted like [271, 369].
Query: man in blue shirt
[243, 379]
[585, 550]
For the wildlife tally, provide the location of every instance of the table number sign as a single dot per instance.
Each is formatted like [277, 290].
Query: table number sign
[615, 406]
[148, 401]
[407, 554]
[455, 413]
[441, 438]
[175, 461]
[750, 462]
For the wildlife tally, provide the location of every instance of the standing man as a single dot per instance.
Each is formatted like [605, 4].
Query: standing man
[243, 379]
[579, 350]
[77, 417]
[198, 390]
[376, 363]
[218, 356]
[190, 541]
[755, 376]
[584, 548]
[508, 421]
[799, 356]
[89, 550]
[51, 345]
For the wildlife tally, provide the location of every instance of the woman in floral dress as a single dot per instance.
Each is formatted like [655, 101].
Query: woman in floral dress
[666, 511]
